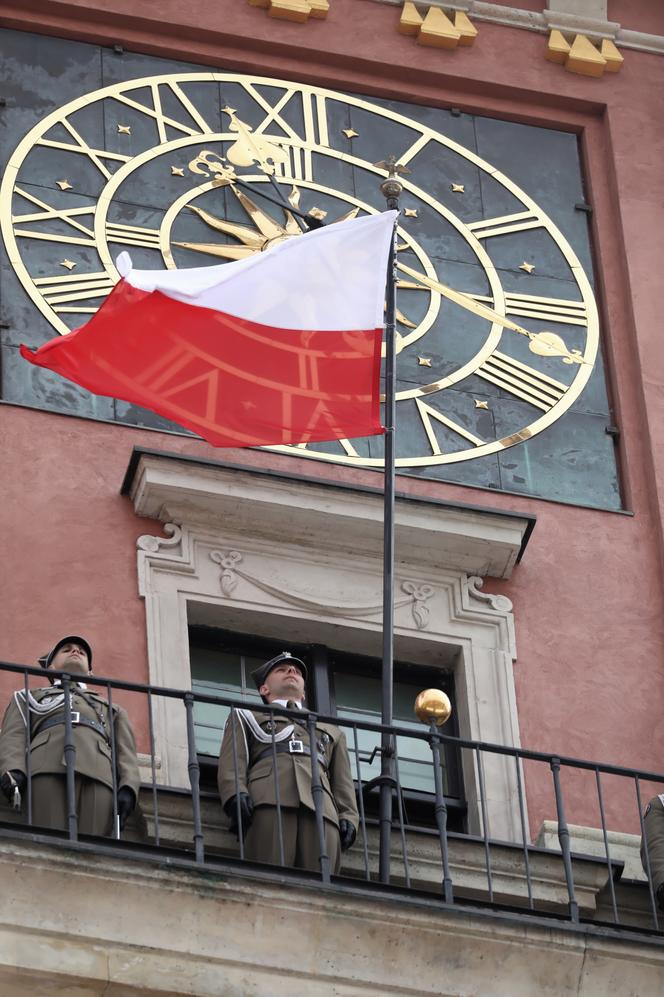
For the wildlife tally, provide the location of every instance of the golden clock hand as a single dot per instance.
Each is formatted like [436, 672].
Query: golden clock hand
[249, 149]
[545, 344]
[227, 252]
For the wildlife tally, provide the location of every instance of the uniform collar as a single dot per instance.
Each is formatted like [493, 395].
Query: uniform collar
[79, 685]
[284, 703]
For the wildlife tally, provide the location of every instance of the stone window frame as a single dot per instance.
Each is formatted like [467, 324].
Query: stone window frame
[239, 557]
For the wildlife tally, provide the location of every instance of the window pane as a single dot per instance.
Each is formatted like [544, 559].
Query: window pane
[216, 672]
[359, 698]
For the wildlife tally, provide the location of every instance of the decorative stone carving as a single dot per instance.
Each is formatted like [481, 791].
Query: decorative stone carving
[152, 545]
[420, 595]
[498, 602]
[228, 562]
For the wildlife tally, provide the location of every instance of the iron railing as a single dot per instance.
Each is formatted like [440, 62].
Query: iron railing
[427, 858]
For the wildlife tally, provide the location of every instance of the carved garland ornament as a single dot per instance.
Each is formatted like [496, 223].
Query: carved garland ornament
[417, 593]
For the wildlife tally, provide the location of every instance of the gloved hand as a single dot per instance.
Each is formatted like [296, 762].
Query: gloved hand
[347, 833]
[246, 813]
[10, 781]
[660, 896]
[126, 804]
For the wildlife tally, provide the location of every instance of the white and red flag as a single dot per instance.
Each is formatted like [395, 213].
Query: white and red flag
[282, 347]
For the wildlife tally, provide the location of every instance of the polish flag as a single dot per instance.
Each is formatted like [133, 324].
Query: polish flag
[282, 347]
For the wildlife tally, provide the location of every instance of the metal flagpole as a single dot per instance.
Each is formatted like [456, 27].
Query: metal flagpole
[391, 189]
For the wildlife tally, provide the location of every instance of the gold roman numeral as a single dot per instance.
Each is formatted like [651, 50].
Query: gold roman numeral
[48, 213]
[546, 309]
[522, 381]
[133, 235]
[299, 165]
[427, 413]
[314, 111]
[80, 146]
[504, 224]
[272, 113]
[61, 293]
[156, 112]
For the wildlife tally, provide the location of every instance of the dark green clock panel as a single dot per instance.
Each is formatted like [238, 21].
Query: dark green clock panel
[572, 460]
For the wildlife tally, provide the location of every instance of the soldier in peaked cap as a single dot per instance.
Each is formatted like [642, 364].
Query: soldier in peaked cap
[39, 719]
[248, 783]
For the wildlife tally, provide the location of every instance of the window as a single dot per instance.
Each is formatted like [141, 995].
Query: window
[340, 684]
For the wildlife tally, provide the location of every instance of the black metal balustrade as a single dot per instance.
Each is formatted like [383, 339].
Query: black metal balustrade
[430, 862]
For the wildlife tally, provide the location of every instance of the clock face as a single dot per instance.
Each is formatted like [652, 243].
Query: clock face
[141, 166]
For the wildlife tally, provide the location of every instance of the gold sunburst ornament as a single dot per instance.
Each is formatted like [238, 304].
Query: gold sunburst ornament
[264, 231]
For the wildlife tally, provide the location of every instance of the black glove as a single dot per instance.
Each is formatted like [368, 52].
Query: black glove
[347, 833]
[11, 781]
[246, 812]
[126, 804]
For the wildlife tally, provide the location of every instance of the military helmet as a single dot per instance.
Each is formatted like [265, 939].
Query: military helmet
[46, 659]
[261, 673]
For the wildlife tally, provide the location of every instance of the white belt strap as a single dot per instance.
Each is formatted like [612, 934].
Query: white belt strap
[258, 732]
[52, 703]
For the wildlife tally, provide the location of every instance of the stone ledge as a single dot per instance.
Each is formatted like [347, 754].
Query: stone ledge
[467, 858]
[114, 926]
[623, 848]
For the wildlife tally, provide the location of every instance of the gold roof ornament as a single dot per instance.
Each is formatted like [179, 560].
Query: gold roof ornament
[580, 55]
[433, 704]
[298, 11]
[436, 29]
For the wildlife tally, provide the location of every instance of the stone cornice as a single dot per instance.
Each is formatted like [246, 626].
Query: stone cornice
[476, 541]
[546, 21]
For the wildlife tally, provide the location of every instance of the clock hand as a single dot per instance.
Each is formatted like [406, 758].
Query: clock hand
[249, 149]
[545, 344]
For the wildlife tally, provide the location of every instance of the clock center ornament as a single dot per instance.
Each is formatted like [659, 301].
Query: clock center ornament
[490, 351]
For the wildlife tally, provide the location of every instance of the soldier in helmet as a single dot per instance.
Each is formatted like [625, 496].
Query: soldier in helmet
[39, 719]
[251, 789]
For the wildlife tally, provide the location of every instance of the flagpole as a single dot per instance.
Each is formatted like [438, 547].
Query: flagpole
[391, 189]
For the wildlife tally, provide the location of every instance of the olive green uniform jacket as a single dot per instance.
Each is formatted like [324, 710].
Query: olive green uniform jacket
[653, 827]
[255, 775]
[47, 747]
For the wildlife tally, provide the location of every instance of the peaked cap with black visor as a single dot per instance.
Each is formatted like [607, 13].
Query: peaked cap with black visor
[261, 673]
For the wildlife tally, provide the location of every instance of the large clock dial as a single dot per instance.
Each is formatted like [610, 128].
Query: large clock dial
[140, 166]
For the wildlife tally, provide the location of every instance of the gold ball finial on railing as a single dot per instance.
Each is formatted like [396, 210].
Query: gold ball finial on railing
[433, 704]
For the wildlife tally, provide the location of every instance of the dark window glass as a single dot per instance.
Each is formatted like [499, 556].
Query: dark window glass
[220, 667]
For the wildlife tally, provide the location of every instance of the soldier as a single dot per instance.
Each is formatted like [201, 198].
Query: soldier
[653, 824]
[42, 720]
[248, 739]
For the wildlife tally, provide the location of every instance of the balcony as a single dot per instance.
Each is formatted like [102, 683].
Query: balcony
[172, 906]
